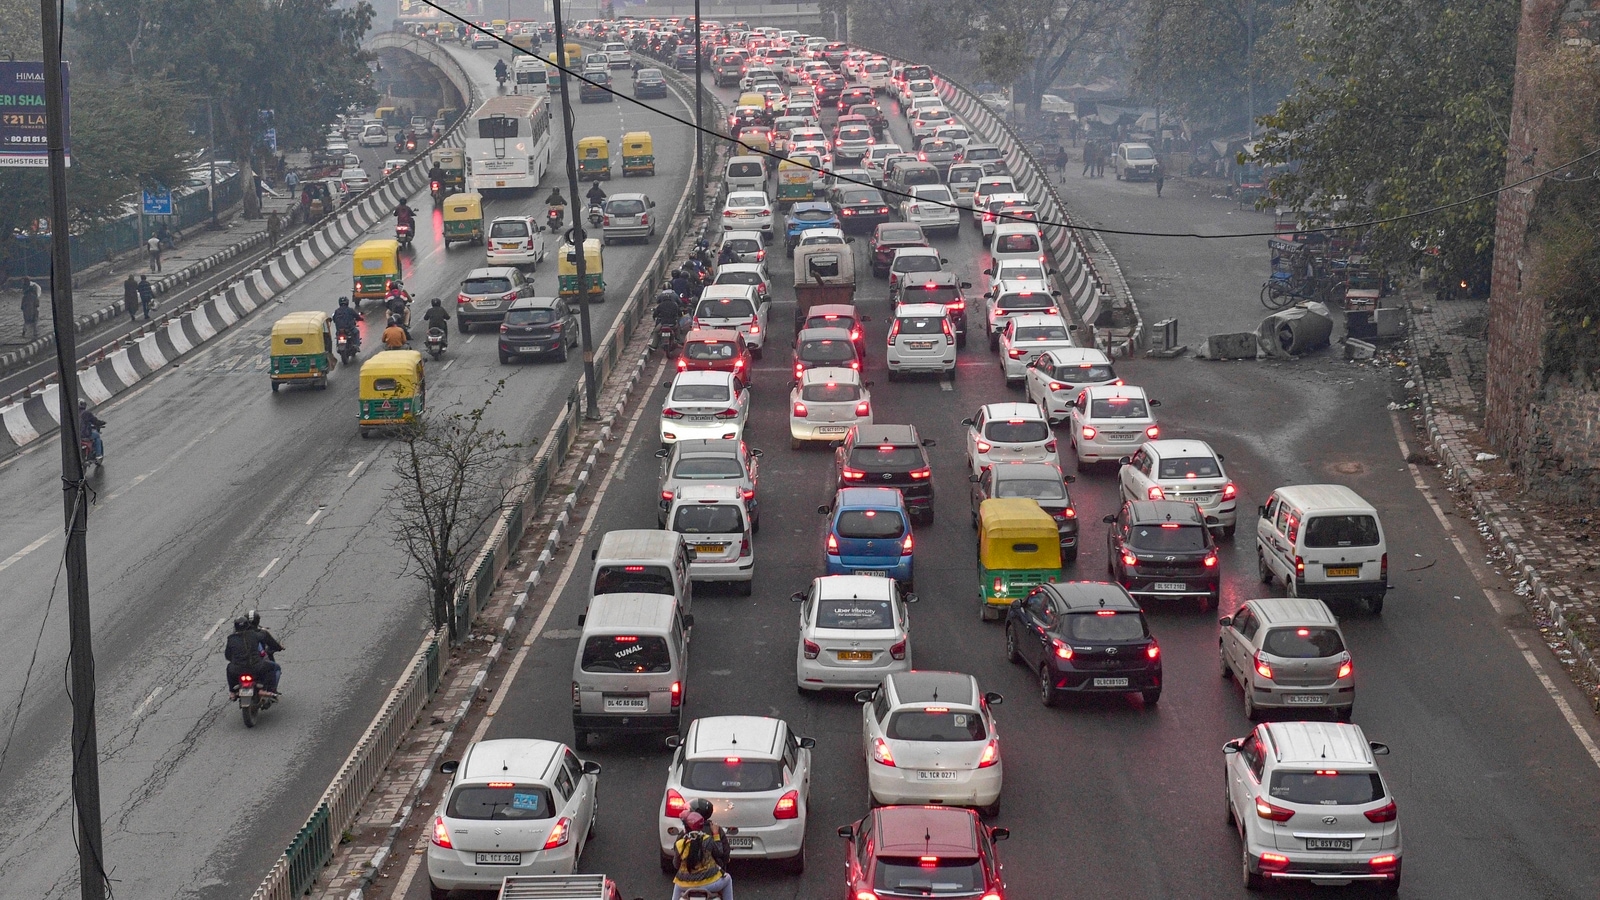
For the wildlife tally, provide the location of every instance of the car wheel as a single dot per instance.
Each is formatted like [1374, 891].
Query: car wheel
[1047, 689]
[668, 864]
[561, 355]
[795, 864]
[1012, 654]
[961, 341]
[462, 327]
[581, 741]
[504, 359]
[1228, 530]
[1252, 880]
[1251, 711]
[1227, 802]
[994, 342]
[1344, 714]
[437, 893]
[795, 443]
[1227, 670]
[1068, 557]
[1375, 605]
[1208, 602]
[990, 811]
[1151, 698]
[1262, 567]
[746, 588]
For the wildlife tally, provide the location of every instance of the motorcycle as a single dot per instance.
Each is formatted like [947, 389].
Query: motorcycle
[437, 190]
[402, 233]
[411, 143]
[666, 339]
[349, 345]
[596, 214]
[554, 216]
[86, 455]
[252, 700]
[435, 342]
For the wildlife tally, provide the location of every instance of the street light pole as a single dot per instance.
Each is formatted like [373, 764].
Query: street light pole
[211, 161]
[591, 388]
[699, 107]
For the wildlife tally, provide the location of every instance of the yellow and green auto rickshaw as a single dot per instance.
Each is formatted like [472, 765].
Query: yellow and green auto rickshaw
[794, 184]
[302, 350]
[638, 154]
[594, 159]
[452, 161]
[463, 218]
[1019, 549]
[392, 391]
[593, 271]
[374, 265]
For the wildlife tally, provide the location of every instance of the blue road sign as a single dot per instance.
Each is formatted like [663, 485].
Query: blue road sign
[158, 203]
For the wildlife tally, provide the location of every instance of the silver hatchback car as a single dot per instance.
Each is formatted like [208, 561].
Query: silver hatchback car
[1288, 653]
[702, 461]
[628, 217]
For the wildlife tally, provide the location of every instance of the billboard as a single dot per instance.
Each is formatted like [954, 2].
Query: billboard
[22, 134]
[418, 11]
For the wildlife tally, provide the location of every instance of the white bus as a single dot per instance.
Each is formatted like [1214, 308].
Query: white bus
[508, 144]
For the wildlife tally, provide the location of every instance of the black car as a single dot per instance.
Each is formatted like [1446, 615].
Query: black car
[1162, 549]
[816, 348]
[829, 87]
[938, 287]
[1084, 637]
[859, 207]
[888, 456]
[649, 83]
[1042, 483]
[683, 58]
[853, 96]
[596, 92]
[538, 326]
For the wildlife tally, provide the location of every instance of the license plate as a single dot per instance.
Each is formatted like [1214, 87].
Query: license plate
[508, 245]
[936, 775]
[527, 349]
[247, 692]
[499, 859]
[919, 345]
[708, 548]
[1168, 586]
[879, 572]
[1342, 571]
[1111, 682]
[856, 655]
[741, 843]
[499, 184]
[1329, 843]
[697, 418]
[832, 429]
[627, 704]
[485, 304]
[1306, 699]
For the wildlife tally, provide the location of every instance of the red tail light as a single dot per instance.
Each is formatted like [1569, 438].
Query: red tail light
[577, 697]
[1230, 491]
[1128, 559]
[853, 474]
[956, 306]
[755, 327]
[799, 410]
[504, 329]
[1155, 493]
[727, 214]
[1153, 432]
[863, 409]
[833, 545]
[991, 754]
[560, 834]
[1016, 352]
[788, 806]
[676, 805]
[1300, 566]
[441, 833]
[1050, 445]
[677, 694]
[1385, 813]
[1153, 651]
[670, 413]
[683, 365]
[881, 754]
[1274, 862]
[1345, 669]
[905, 545]
[949, 335]
[799, 369]
[1262, 669]
[246, 680]
[744, 546]
[726, 414]
[1383, 567]
[1062, 650]
[1089, 432]
[1385, 863]
[667, 496]
[605, 220]
[1276, 813]
[894, 330]
[898, 650]
[812, 649]
[923, 472]
[1211, 560]
[984, 446]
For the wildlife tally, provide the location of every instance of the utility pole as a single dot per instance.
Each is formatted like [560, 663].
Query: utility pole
[211, 162]
[75, 494]
[699, 107]
[591, 389]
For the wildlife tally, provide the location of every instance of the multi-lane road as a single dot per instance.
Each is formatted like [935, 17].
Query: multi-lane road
[1495, 784]
[218, 496]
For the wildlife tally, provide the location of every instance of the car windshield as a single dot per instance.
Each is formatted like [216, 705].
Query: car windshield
[1031, 488]
[965, 175]
[1303, 642]
[830, 392]
[1019, 270]
[1169, 536]
[1027, 300]
[500, 802]
[1016, 431]
[731, 774]
[1040, 333]
[1093, 626]
[626, 653]
[920, 325]
[708, 351]
[1326, 787]
[707, 518]
[1139, 153]
[530, 317]
[745, 170]
[869, 523]
[910, 876]
[983, 153]
[900, 235]
[1190, 467]
[860, 197]
[886, 456]
[827, 350]
[1119, 408]
[858, 614]
[935, 723]
[811, 215]
[486, 286]
[743, 245]
[1083, 373]
[725, 308]
[1341, 531]
[626, 579]
[508, 230]
[917, 263]
[701, 393]
[628, 207]
[856, 133]
[1017, 243]
[705, 468]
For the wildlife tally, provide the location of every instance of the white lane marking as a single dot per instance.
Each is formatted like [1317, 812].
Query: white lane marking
[213, 632]
[269, 567]
[448, 365]
[1500, 607]
[315, 516]
[946, 386]
[356, 469]
[470, 337]
[138, 710]
[13, 558]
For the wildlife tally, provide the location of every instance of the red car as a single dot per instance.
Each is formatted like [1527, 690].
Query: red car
[716, 350]
[889, 237]
[910, 848]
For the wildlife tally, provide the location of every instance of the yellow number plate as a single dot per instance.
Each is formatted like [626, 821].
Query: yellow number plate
[857, 655]
[1342, 571]
[708, 548]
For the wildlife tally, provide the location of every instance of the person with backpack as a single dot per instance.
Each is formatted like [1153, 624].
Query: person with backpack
[696, 859]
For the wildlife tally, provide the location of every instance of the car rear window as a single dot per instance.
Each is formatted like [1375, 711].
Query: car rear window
[900, 235]
[827, 350]
[830, 321]
[1190, 467]
[1028, 300]
[626, 579]
[1119, 408]
[812, 215]
[1092, 626]
[1303, 642]
[860, 614]
[869, 523]
[1016, 431]
[530, 317]
[1041, 333]
[702, 467]
[637, 654]
[1169, 536]
[910, 876]
[725, 308]
[497, 803]
[745, 170]
[932, 293]
[919, 175]
[934, 195]
[982, 153]
[1341, 531]
[862, 196]
[509, 230]
[701, 393]
[965, 175]
[830, 392]
[486, 286]
[886, 457]
[1017, 243]
[742, 245]
[935, 723]
[1083, 373]
[1031, 488]
[917, 263]
[704, 351]
[747, 201]
[625, 207]
[920, 325]
[708, 518]
[855, 134]
[732, 774]
[1326, 787]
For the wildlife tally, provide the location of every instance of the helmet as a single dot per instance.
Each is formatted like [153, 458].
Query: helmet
[693, 821]
[702, 806]
[436, 301]
[241, 623]
[254, 617]
[82, 403]
[394, 320]
[667, 294]
[344, 301]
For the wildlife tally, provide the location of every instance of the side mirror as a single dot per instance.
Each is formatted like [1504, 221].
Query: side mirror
[581, 618]
[449, 766]
[591, 768]
[688, 621]
[807, 743]
[1155, 404]
[944, 261]
[1109, 519]
[1221, 458]
[674, 741]
[1124, 460]
[909, 598]
[663, 453]
[593, 554]
[928, 442]
[866, 695]
[966, 285]
[867, 383]
[967, 421]
[757, 453]
[847, 831]
[989, 271]
[1069, 479]
[1233, 745]
[1379, 748]
[798, 596]
[1051, 270]
[823, 510]
[1261, 511]
[1055, 293]
[993, 698]
[666, 384]
[869, 319]
[999, 834]
[972, 478]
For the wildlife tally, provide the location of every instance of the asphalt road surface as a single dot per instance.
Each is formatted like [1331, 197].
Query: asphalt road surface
[217, 496]
[1106, 798]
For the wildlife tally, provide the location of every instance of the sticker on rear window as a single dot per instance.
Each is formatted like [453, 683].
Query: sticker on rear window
[525, 801]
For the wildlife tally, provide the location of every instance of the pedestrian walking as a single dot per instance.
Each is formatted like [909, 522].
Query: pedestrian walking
[130, 297]
[273, 227]
[147, 295]
[1100, 154]
[154, 246]
[1061, 163]
[30, 308]
[1088, 158]
[1161, 177]
[291, 181]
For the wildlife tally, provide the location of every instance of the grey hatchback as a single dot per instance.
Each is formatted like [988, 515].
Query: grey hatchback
[699, 461]
[538, 326]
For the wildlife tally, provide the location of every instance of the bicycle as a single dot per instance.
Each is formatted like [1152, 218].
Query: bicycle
[1281, 293]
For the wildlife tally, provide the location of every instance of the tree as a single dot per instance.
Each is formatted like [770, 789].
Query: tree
[1407, 109]
[1206, 58]
[452, 488]
[1030, 43]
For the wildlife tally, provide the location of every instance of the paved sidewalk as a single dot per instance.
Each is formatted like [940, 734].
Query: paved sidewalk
[1549, 551]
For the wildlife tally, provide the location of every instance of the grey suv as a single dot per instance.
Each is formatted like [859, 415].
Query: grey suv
[487, 293]
[701, 461]
[538, 326]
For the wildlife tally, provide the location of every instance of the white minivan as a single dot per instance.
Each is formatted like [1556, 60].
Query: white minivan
[745, 173]
[1323, 541]
[1016, 240]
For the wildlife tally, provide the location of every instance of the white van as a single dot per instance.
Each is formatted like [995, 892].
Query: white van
[641, 561]
[632, 662]
[1016, 240]
[745, 173]
[1134, 162]
[528, 75]
[1323, 541]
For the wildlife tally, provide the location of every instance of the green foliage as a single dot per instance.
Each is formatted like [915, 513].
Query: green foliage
[1205, 58]
[1408, 109]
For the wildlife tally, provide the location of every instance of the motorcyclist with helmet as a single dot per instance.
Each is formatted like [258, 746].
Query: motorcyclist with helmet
[596, 195]
[405, 215]
[695, 858]
[89, 426]
[394, 336]
[398, 303]
[438, 317]
[250, 650]
[344, 322]
[680, 283]
[500, 71]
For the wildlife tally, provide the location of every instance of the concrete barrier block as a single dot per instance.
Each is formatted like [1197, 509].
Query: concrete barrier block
[1235, 345]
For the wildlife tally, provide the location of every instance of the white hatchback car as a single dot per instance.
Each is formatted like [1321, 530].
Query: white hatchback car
[514, 807]
[825, 403]
[933, 207]
[1108, 420]
[854, 631]
[929, 737]
[921, 339]
[704, 404]
[1009, 432]
[756, 773]
[715, 523]
[515, 241]
[1007, 299]
[1182, 470]
[748, 211]
[1056, 377]
[734, 306]
[1025, 338]
[1310, 805]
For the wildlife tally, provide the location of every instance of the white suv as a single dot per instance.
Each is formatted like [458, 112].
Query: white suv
[715, 523]
[757, 774]
[1182, 470]
[854, 631]
[515, 241]
[1310, 805]
[1110, 419]
[1009, 432]
[921, 340]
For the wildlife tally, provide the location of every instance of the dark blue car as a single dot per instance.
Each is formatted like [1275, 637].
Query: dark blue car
[805, 216]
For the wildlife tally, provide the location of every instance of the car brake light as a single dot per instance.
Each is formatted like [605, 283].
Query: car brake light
[1062, 650]
[1268, 810]
[726, 414]
[956, 305]
[676, 805]
[799, 410]
[905, 545]
[1385, 813]
[1262, 669]
[853, 474]
[560, 834]
[1128, 559]
[924, 472]
[984, 446]
[1016, 352]
[668, 495]
[1050, 445]
[1153, 432]
[1211, 560]
[788, 806]
[441, 833]
[683, 365]
[1345, 669]
[727, 214]
[833, 545]
[898, 650]
[863, 409]
[812, 649]
[1230, 491]
[1155, 493]
[1153, 651]
[1089, 432]
[1274, 862]
[991, 754]
[677, 694]
[881, 754]
[894, 330]
[1385, 863]
[670, 413]
[605, 220]
[1300, 566]
[1383, 567]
